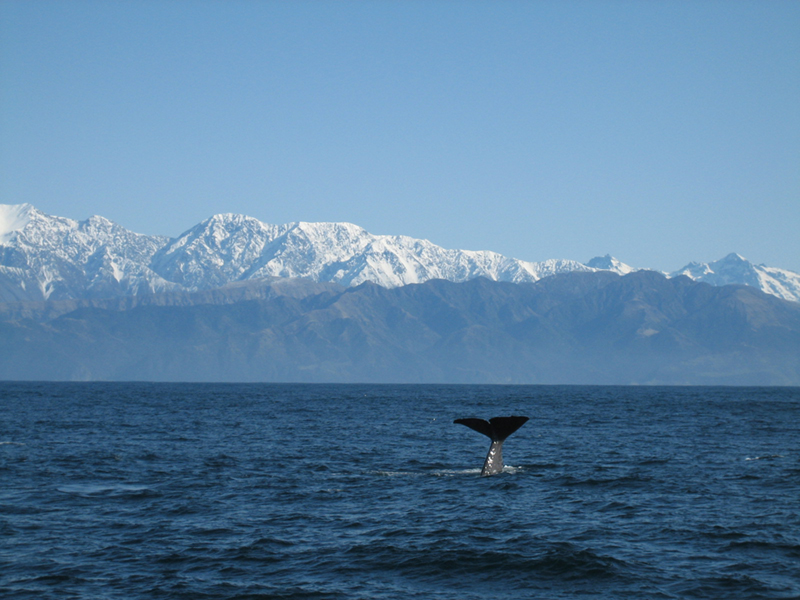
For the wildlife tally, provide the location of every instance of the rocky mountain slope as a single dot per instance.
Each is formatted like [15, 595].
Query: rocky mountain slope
[580, 327]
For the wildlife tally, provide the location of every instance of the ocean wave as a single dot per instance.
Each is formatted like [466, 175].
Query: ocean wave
[634, 480]
[99, 490]
[788, 549]
[559, 561]
[729, 586]
[765, 457]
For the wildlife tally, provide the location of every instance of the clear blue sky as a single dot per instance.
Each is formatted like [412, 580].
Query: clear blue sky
[658, 131]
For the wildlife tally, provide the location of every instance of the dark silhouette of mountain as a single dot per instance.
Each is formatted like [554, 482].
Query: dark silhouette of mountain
[579, 327]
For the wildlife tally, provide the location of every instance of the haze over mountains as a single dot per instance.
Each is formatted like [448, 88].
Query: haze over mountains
[43, 257]
[579, 327]
[234, 299]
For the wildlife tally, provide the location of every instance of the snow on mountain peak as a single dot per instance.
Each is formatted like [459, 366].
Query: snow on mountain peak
[733, 257]
[60, 258]
[609, 263]
[13, 217]
[99, 255]
[736, 269]
[55, 257]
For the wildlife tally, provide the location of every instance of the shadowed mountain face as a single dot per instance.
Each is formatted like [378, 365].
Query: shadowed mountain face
[571, 328]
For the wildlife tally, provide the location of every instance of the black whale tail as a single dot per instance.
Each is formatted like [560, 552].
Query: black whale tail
[497, 428]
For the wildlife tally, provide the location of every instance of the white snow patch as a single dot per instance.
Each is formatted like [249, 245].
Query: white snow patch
[13, 217]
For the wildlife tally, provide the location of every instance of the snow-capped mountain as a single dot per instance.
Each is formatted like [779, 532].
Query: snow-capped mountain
[609, 263]
[45, 257]
[733, 269]
[228, 248]
[737, 269]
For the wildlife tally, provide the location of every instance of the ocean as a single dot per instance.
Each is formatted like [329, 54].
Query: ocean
[197, 491]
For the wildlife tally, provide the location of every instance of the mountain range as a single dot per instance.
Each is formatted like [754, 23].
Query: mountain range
[235, 299]
[44, 257]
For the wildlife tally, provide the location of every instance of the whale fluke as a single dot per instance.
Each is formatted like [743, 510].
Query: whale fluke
[497, 429]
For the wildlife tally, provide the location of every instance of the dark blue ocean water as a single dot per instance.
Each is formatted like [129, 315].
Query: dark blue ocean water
[138, 491]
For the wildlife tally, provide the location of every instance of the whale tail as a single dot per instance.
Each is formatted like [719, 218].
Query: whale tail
[497, 429]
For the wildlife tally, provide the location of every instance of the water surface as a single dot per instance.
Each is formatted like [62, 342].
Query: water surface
[187, 491]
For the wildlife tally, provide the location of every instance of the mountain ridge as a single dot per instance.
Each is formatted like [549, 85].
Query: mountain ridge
[43, 257]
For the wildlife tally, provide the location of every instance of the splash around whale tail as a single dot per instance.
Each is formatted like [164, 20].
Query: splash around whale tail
[498, 429]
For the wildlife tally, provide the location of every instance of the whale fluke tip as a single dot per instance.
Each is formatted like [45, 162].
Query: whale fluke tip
[497, 428]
